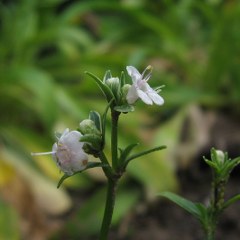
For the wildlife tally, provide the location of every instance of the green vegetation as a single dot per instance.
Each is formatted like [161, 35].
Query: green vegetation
[45, 48]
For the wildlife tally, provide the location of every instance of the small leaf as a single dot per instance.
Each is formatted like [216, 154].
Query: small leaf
[122, 79]
[93, 139]
[107, 75]
[210, 163]
[96, 118]
[231, 201]
[105, 89]
[124, 153]
[124, 108]
[189, 206]
[104, 120]
[144, 153]
[89, 165]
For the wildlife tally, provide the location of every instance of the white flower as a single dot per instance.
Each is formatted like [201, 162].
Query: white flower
[67, 152]
[141, 89]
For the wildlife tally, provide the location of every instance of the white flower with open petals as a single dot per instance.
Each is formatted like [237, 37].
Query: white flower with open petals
[141, 89]
[68, 152]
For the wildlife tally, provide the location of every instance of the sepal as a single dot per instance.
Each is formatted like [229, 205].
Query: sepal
[124, 108]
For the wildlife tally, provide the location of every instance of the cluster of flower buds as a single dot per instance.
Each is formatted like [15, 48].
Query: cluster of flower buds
[122, 95]
[91, 130]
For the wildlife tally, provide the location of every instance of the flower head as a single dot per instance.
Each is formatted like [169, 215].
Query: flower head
[141, 89]
[68, 152]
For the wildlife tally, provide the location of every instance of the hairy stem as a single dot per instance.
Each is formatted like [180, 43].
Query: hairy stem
[216, 207]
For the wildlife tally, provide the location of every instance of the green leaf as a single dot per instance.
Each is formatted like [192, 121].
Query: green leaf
[105, 89]
[189, 206]
[96, 118]
[145, 153]
[122, 79]
[104, 121]
[94, 140]
[210, 163]
[231, 201]
[107, 75]
[124, 108]
[125, 152]
[89, 165]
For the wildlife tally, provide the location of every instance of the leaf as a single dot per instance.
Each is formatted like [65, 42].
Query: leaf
[211, 164]
[231, 201]
[125, 152]
[89, 165]
[104, 121]
[105, 89]
[96, 118]
[124, 108]
[41, 86]
[145, 153]
[122, 79]
[107, 75]
[189, 206]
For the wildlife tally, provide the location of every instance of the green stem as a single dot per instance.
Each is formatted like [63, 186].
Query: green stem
[216, 207]
[211, 234]
[211, 226]
[108, 212]
[114, 139]
[107, 170]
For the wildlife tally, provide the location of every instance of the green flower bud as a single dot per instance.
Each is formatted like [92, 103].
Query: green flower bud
[220, 156]
[113, 82]
[87, 126]
[114, 85]
[92, 137]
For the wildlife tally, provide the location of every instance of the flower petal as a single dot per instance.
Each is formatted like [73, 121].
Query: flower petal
[132, 95]
[144, 97]
[157, 99]
[134, 74]
[71, 140]
[65, 132]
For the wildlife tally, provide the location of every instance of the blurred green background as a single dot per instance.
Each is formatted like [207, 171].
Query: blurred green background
[45, 47]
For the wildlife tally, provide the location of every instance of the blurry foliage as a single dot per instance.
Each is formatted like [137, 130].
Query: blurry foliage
[45, 47]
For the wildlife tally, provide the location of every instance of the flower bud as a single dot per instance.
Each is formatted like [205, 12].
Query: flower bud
[87, 126]
[92, 137]
[220, 156]
[114, 85]
[113, 82]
